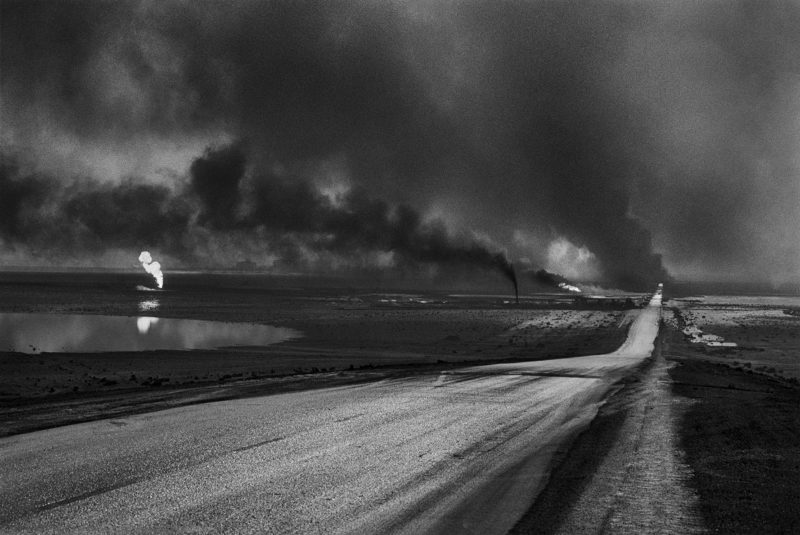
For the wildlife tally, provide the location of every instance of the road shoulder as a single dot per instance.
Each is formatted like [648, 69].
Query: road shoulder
[741, 436]
[626, 473]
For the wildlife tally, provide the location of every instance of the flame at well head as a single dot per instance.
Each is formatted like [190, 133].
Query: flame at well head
[153, 268]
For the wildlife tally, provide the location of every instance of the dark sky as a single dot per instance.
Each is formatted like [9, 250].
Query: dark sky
[627, 142]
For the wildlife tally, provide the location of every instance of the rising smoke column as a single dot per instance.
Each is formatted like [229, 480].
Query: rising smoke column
[507, 268]
[153, 268]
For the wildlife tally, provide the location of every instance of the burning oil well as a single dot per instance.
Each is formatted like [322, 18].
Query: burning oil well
[507, 268]
[553, 280]
[152, 267]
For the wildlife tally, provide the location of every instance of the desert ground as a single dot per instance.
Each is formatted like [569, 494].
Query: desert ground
[459, 450]
[344, 338]
[740, 427]
[764, 331]
[705, 439]
[522, 418]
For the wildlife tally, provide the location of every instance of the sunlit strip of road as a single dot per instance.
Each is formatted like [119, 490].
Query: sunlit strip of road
[461, 453]
[637, 346]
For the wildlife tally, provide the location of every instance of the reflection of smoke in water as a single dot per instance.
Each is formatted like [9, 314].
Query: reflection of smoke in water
[148, 305]
[153, 268]
[143, 323]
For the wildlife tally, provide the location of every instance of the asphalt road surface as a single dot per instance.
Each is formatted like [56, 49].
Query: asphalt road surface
[463, 452]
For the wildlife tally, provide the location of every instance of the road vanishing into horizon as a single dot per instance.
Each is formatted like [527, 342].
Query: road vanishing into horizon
[465, 451]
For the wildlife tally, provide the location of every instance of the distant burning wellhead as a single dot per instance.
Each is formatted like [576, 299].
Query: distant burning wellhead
[553, 279]
[507, 268]
[569, 287]
[153, 268]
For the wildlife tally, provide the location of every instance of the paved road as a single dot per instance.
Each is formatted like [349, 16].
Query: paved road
[458, 452]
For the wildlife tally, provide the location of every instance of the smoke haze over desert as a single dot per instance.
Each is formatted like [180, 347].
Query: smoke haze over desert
[640, 141]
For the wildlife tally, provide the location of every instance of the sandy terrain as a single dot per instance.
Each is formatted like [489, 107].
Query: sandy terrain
[331, 340]
[766, 335]
[704, 438]
[694, 442]
[627, 474]
[740, 430]
[464, 451]
[345, 339]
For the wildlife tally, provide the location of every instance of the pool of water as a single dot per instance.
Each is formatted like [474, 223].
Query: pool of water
[79, 333]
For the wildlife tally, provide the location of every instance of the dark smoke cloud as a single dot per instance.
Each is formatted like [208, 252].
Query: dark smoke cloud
[354, 223]
[92, 217]
[41, 213]
[639, 131]
[18, 195]
[127, 215]
[215, 180]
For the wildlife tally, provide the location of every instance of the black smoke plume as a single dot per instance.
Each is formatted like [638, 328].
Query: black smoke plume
[18, 195]
[58, 220]
[633, 129]
[507, 269]
[355, 223]
[220, 199]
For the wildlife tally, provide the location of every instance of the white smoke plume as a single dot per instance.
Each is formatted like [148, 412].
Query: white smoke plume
[153, 268]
